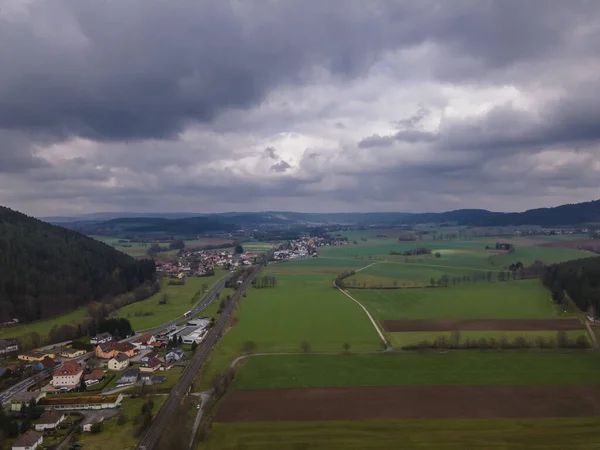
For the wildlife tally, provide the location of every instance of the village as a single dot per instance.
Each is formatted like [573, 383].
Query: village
[81, 387]
[305, 247]
[201, 263]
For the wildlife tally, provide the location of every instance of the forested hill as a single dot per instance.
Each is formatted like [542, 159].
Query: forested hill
[46, 270]
[579, 278]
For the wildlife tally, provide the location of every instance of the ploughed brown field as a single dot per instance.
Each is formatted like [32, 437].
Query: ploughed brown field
[481, 324]
[591, 245]
[408, 402]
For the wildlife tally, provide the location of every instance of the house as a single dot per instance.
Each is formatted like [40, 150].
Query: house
[174, 355]
[125, 347]
[8, 346]
[89, 423]
[165, 366]
[144, 342]
[30, 440]
[32, 356]
[67, 375]
[129, 376]
[96, 374]
[105, 350]
[119, 362]
[49, 420]
[22, 398]
[71, 352]
[82, 401]
[148, 356]
[151, 366]
[101, 338]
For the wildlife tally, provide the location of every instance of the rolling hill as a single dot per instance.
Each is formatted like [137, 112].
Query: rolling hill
[47, 270]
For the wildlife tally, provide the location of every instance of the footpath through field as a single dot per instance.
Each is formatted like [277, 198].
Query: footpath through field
[382, 337]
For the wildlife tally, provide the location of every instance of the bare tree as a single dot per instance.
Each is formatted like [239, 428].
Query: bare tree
[305, 346]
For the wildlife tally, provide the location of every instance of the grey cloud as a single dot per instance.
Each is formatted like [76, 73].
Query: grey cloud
[134, 77]
[414, 120]
[17, 153]
[271, 152]
[163, 65]
[280, 167]
[410, 136]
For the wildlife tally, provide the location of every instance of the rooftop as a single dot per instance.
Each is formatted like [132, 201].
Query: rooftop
[27, 439]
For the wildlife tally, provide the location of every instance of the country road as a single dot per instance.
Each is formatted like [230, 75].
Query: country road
[153, 434]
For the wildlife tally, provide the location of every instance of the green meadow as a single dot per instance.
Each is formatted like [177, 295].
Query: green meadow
[460, 367]
[302, 307]
[527, 299]
[43, 327]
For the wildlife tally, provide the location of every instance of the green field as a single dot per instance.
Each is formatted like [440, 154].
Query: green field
[462, 367]
[464, 254]
[179, 301]
[555, 434]
[526, 299]
[43, 327]
[301, 308]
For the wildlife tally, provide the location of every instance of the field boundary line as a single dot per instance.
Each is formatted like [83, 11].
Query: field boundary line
[383, 339]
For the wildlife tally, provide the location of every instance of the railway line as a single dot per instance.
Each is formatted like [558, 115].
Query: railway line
[154, 432]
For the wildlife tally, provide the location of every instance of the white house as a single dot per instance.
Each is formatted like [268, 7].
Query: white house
[30, 440]
[87, 426]
[49, 420]
[67, 375]
[8, 346]
[144, 342]
[101, 338]
[119, 362]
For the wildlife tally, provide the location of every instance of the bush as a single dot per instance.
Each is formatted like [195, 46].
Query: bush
[582, 342]
[305, 346]
[520, 342]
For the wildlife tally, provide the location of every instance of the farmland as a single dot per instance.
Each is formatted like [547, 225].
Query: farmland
[302, 307]
[518, 299]
[518, 368]
[329, 392]
[447, 434]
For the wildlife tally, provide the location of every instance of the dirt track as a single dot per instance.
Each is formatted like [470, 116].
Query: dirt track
[481, 325]
[408, 402]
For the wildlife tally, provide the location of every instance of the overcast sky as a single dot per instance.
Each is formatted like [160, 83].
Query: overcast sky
[323, 106]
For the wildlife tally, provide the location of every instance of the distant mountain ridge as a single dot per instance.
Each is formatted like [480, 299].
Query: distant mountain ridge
[570, 214]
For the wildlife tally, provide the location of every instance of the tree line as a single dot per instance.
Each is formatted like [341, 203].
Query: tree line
[264, 282]
[455, 341]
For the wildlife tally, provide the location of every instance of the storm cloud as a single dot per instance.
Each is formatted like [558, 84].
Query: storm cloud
[148, 105]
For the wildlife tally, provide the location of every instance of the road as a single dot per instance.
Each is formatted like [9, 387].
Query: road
[204, 397]
[198, 308]
[152, 435]
[592, 334]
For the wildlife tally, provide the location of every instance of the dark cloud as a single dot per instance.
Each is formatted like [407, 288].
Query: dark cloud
[414, 120]
[280, 167]
[145, 102]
